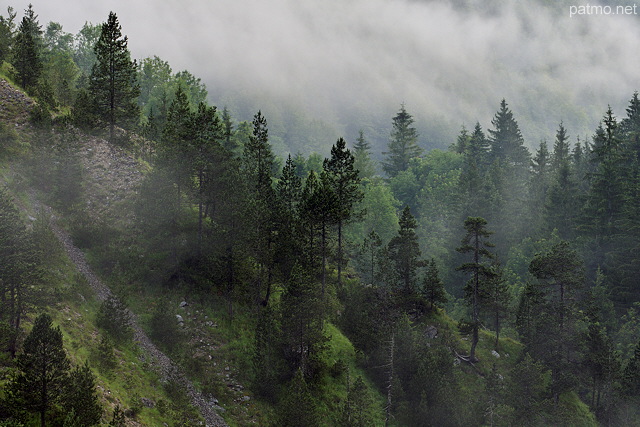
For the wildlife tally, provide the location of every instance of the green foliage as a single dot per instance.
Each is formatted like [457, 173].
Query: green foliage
[27, 50]
[164, 326]
[104, 355]
[112, 81]
[80, 396]
[42, 370]
[403, 145]
[298, 407]
[113, 317]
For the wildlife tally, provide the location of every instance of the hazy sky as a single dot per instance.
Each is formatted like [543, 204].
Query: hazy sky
[335, 56]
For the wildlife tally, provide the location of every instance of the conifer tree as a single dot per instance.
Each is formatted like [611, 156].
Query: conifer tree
[302, 322]
[506, 140]
[432, 287]
[475, 242]
[80, 396]
[7, 28]
[27, 50]
[403, 145]
[404, 251]
[289, 199]
[344, 179]
[362, 157]
[43, 369]
[113, 83]
[560, 155]
[258, 168]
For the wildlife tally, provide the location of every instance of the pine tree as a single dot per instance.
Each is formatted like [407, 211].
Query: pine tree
[630, 380]
[20, 275]
[403, 145]
[432, 287]
[404, 251]
[289, 198]
[258, 168]
[113, 316]
[298, 407]
[302, 322]
[476, 243]
[27, 50]
[43, 369]
[497, 299]
[7, 27]
[80, 396]
[344, 179]
[112, 83]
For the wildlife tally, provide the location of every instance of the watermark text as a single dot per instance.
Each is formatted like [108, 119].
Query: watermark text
[603, 10]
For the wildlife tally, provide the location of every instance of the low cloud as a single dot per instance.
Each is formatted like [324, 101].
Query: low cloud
[341, 60]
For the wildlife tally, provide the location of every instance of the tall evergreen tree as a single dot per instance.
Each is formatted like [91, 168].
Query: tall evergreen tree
[43, 369]
[560, 155]
[404, 251]
[27, 50]
[113, 83]
[7, 28]
[258, 167]
[403, 145]
[475, 242]
[506, 139]
[362, 157]
[432, 287]
[80, 396]
[344, 179]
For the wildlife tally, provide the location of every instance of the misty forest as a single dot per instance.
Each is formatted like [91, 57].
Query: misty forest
[166, 261]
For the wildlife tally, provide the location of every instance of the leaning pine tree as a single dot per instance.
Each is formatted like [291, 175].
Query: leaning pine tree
[112, 83]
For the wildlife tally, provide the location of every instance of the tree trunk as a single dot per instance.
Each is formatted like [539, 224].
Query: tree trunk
[324, 258]
[340, 252]
[387, 419]
[476, 289]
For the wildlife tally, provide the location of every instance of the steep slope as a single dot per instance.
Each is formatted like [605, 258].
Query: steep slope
[110, 174]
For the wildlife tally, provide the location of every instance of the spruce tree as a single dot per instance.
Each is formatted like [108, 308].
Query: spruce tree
[362, 157]
[506, 139]
[560, 154]
[113, 83]
[476, 243]
[27, 50]
[432, 287]
[404, 252]
[403, 145]
[43, 369]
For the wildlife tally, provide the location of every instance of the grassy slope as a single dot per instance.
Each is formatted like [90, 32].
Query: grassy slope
[217, 351]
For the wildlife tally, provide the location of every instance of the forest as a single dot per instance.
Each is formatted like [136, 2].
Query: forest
[485, 284]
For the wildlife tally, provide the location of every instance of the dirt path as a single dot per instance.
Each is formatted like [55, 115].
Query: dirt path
[165, 367]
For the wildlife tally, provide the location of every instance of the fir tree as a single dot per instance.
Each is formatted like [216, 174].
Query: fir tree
[403, 145]
[362, 157]
[27, 50]
[113, 83]
[432, 287]
[404, 252]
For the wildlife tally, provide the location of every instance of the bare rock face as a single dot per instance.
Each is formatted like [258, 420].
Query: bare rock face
[431, 332]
